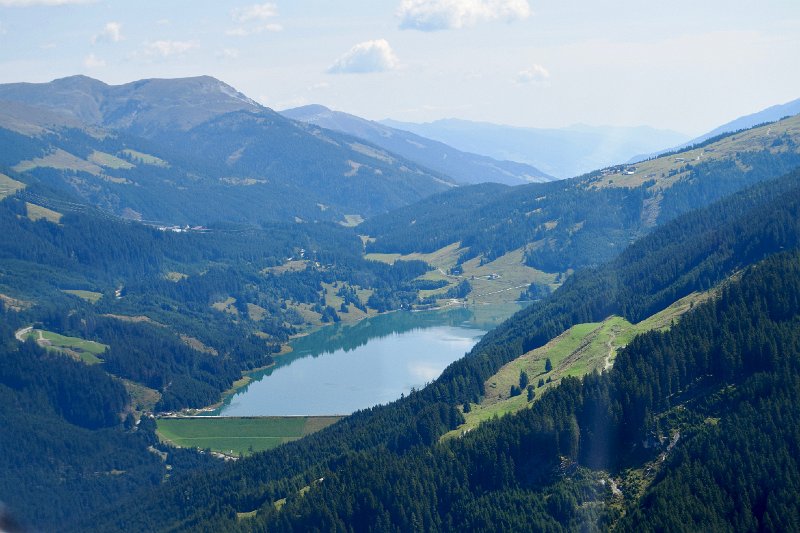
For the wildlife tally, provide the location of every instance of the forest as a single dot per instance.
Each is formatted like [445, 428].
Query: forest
[547, 467]
[565, 224]
[185, 314]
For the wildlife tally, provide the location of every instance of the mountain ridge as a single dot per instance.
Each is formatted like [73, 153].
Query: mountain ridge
[221, 154]
[561, 152]
[772, 113]
[465, 167]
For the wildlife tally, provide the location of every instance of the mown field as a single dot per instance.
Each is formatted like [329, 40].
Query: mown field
[239, 435]
[86, 351]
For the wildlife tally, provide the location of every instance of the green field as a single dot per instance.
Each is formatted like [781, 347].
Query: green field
[81, 349]
[578, 351]
[89, 296]
[239, 435]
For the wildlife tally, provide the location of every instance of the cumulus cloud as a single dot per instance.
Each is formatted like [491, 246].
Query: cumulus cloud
[112, 32]
[369, 56]
[92, 62]
[169, 48]
[534, 74]
[28, 3]
[433, 15]
[254, 12]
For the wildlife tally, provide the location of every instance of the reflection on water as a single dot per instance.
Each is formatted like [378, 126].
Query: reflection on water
[342, 368]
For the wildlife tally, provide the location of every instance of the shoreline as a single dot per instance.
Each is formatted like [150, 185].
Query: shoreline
[287, 348]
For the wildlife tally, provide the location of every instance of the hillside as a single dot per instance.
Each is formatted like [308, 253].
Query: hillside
[581, 432]
[771, 114]
[463, 167]
[560, 152]
[590, 219]
[194, 151]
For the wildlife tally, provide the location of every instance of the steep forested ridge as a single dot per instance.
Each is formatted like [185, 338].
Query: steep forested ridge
[64, 451]
[744, 347]
[381, 469]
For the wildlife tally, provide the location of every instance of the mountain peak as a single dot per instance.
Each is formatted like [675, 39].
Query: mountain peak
[141, 107]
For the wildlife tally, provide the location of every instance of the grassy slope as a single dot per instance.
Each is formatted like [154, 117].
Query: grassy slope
[37, 212]
[578, 351]
[86, 351]
[753, 140]
[9, 186]
[89, 296]
[499, 281]
[239, 436]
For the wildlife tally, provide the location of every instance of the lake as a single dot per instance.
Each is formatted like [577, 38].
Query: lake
[342, 368]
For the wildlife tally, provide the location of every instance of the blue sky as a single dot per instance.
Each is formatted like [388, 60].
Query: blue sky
[683, 65]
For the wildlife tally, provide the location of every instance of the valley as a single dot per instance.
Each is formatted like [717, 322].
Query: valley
[197, 279]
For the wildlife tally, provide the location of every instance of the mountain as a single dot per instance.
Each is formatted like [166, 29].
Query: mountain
[193, 151]
[561, 152]
[141, 108]
[672, 418]
[770, 114]
[590, 219]
[464, 167]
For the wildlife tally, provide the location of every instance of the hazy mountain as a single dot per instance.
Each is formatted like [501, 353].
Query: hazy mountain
[770, 114]
[464, 167]
[562, 152]
[587, 220]
[195, 150]
[141, 107]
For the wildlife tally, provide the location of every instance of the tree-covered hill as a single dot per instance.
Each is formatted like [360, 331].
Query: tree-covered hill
[588, 220]
[548, 467]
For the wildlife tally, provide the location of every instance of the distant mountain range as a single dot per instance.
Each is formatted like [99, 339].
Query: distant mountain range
[562, 152]
[195, 150]
[770, 114]
[464, 167]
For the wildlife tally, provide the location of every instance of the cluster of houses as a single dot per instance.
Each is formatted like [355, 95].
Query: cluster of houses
[181, 229]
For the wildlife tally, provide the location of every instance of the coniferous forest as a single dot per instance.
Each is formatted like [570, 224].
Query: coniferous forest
[666, 401]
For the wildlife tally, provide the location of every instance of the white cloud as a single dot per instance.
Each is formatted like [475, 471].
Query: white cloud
[112, 32]
[253, 19]
[369, 56]
[169, 48]
[254, 12]
[28, 3]
[433, 15]
[534, 74]
[92, 62]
